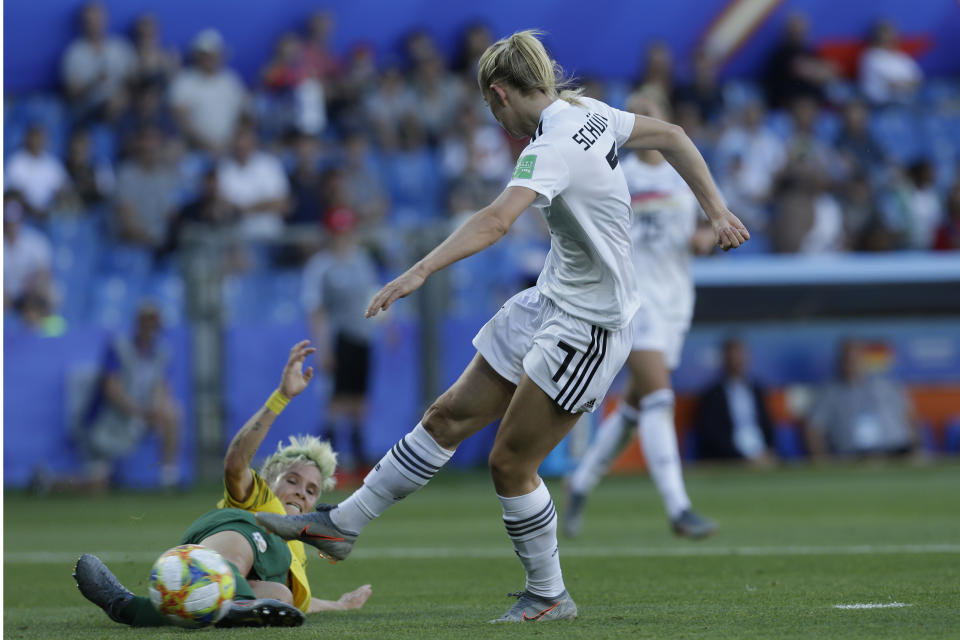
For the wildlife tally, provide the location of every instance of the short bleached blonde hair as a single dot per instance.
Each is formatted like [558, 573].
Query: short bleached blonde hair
[309, 449]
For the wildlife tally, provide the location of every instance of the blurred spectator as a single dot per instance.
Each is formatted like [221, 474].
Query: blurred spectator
[27, 256]
[319, 60]
[703, 90]
[387, 104]
[859, 413]
[912, 210]
[657, 80]
[732, 422]
[96, 67]
[38, 175]
[857, 148]
[439, 96]
[365, 192]
[807, 217]
[337, 286]
[476, 150]
[474, 41]
[860, 213]
[305, 181]
[748, 157]
[92, 181]
[132, 397]
[948, 235]
[208, 209]
[255, 183]
[207, 98]
[149, 110]
[410, 171]
[887, 75]
[419, 48]
[359, 79]
[793, 69]
[147, 192]
[155, 65]
[303, 106]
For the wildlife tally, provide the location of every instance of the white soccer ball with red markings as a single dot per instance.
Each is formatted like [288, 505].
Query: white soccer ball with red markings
[192, 586]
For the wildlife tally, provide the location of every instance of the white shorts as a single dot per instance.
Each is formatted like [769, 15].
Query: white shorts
[573, 361]
[653, 332]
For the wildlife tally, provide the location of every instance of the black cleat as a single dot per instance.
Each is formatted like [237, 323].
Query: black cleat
[98, 585]
[264, 612]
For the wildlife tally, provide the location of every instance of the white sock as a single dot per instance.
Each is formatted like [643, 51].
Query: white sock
[408, 466]
[531, 523]
[603, 449]
[659, 439]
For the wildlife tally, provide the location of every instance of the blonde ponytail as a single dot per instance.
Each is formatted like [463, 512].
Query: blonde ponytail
[522, 61]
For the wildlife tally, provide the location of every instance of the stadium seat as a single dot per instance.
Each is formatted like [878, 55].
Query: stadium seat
[788, 441]
[897, 132]
[951, 439]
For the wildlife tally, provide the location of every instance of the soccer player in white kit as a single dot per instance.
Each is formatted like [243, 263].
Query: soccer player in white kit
[665, 233]
[552, 351]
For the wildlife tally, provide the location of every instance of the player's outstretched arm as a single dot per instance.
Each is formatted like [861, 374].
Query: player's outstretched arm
[678, 149]
[350, 600]
[236, 464]
[480, 231]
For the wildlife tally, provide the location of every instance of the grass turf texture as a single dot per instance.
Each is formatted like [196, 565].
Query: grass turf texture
[791, 545]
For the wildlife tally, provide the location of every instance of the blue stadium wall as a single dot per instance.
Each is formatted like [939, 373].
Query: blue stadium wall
[603, 38]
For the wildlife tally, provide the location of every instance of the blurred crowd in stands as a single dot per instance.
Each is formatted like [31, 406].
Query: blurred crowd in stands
[102, 180]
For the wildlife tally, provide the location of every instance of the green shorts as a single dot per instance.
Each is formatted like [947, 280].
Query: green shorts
[271, 555]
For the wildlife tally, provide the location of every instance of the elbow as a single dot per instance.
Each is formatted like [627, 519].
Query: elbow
[676, 137]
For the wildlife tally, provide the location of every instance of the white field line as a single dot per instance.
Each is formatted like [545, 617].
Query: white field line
[872, 605]
[503, 551]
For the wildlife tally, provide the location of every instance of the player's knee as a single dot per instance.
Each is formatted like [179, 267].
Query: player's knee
[506, 468]
[274, 590]
[441, 424]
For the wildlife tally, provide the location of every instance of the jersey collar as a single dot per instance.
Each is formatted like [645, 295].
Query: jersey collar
[555, 107]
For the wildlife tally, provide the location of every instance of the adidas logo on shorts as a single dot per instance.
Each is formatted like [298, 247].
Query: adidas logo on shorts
[586, 406]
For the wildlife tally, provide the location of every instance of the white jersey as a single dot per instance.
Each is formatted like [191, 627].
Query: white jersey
[572, 163]
[665, 213]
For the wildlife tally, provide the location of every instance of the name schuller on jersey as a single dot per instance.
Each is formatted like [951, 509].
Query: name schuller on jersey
[591, 131]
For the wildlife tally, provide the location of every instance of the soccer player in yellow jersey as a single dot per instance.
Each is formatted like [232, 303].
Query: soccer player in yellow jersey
[272, 586]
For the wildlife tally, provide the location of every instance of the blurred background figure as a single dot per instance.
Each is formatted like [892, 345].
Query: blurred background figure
[36, 173]
[96, 68]
[131, 398]
[337, 285]
[254, 182]
[208, 99]
[732, 421]
[793, 68]
[860, 413]
[27, 261]
[888, 75]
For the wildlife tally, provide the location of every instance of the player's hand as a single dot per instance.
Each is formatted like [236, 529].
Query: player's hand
[730, 231]
[356, 598]
[294, 378]
[399, 288]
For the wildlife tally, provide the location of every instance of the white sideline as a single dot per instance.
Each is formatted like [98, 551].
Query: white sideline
[504, 551]
[872, 605]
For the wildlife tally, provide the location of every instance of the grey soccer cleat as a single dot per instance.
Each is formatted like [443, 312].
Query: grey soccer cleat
[315, 529]
[691, 524]
[98, 585]
[264, 612]
[534, 608]
[573, 514]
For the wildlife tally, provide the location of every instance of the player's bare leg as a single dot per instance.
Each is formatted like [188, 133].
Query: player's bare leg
[532, 426]
[479, 397]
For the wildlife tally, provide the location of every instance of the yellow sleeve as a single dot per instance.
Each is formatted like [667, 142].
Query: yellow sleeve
[262, 498]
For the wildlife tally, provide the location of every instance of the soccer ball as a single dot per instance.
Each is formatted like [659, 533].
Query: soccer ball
[192, 586]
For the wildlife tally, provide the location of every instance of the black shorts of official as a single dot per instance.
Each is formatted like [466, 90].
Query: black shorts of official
[351, 366]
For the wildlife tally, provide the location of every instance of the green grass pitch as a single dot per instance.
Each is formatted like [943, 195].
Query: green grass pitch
[792, 544]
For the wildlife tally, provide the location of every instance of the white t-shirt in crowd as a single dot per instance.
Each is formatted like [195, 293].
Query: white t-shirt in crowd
[214, 102]
[38, 178]
[260, 178]
[883, 72]
[572, 163]
[665, 215]
[23, 259]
